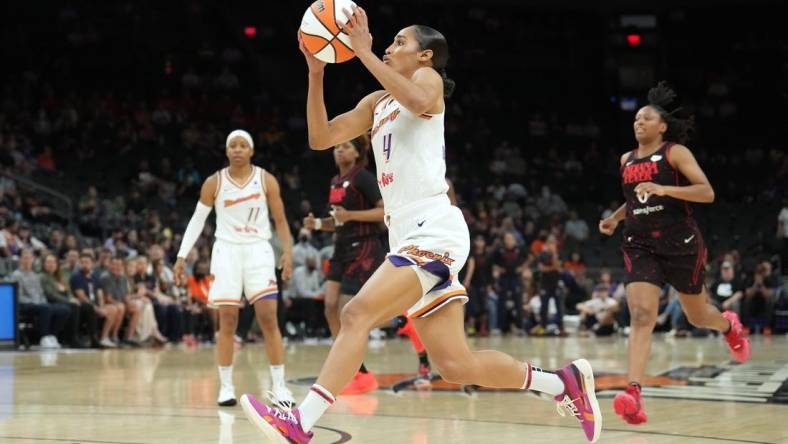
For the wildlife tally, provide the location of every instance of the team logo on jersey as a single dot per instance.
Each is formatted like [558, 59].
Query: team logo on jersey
[386, 179]
[231, 202]
[392, 116]
[336, 196]
[640, 172]
[413, 250]
[345, 184]
[655, 158]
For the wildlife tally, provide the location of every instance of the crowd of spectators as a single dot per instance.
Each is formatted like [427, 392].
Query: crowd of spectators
[533, 176]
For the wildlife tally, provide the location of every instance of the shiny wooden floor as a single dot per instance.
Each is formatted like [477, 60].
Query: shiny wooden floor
[168, 396]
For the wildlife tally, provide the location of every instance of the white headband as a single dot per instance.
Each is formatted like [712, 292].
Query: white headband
[240, 133]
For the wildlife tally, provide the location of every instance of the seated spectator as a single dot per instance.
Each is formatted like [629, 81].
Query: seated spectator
[49, 318]
[757, 307]
[28, 241]
[116, 288]
[304, 301]
[56, 290]
[598, 314]
[70, 262]
[147, 327]
[303, 249]
[576, 229]
[86, 287]
[727, 292]
[9, 242]
[576, 266]
[166, 303]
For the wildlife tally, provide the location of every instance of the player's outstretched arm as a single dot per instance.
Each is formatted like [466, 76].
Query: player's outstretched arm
[196, 224]
[277, 208]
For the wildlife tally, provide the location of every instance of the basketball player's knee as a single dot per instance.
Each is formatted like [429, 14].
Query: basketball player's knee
[355, 317]
[642, 317]
[267, 319]
[228, 322]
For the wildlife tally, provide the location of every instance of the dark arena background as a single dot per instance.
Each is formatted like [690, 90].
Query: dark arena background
[112, 114]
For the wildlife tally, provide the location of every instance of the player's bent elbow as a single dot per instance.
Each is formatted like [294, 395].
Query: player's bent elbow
[318, 144]
[710, 195]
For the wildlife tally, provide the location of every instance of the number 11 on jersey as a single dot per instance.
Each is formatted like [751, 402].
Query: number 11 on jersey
[387, 146]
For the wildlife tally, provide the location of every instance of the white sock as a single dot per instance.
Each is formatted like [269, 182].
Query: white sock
[542, 381]
[226, 375]
[278, 375]
[317, 401]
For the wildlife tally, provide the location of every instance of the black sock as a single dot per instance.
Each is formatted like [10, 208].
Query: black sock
[363, 368]
[424, 359]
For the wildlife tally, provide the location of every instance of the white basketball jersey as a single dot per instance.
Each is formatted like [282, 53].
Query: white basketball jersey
[410, 154]
[242, 208]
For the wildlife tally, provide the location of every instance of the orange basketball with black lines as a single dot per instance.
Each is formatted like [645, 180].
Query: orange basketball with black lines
[321, 34]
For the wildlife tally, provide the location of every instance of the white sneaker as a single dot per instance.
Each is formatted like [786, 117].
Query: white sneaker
[48, 342]
[282, 397]
[107, 343]
[226, 396]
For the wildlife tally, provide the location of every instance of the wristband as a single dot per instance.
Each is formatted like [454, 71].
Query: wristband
[318, 223]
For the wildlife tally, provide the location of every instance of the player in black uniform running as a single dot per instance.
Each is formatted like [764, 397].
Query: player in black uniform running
[356, 214]
[662, 243]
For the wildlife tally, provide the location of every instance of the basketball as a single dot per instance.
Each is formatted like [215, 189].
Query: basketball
[321, 34]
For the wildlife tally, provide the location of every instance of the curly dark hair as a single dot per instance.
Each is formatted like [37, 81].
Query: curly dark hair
[661, 98]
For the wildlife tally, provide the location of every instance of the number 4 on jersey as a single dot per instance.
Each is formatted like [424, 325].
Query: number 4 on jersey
[387, 146]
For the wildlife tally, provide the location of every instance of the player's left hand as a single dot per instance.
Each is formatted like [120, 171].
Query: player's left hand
[357, 29]
[650, 188]
[341, 214]
[286, 265]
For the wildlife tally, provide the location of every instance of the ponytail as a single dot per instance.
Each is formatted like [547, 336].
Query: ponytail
[432, 39]
[448, 84]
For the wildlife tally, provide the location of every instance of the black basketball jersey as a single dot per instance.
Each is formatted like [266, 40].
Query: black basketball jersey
[655, 212]
[358, 190]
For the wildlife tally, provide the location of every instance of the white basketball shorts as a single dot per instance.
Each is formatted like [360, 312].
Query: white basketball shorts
[431, 234]
[242, 269]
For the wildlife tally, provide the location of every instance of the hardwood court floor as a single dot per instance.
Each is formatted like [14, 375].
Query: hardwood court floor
[168, 396]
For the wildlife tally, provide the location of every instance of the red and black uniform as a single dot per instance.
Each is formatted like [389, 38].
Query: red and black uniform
[662, 242]
[358, 250]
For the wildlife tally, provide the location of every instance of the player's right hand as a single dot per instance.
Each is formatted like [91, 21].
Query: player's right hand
[177, 270]
[309, 222]
[608, 226]
[315, 66]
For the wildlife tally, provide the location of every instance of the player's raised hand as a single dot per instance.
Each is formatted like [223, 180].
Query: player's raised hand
[315, 65]
[357, 28]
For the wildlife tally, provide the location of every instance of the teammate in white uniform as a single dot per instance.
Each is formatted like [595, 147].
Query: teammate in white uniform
[242, 260]
[428, 236]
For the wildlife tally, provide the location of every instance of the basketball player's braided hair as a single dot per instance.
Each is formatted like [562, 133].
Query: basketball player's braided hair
[661, 98]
